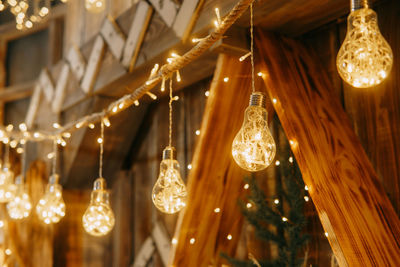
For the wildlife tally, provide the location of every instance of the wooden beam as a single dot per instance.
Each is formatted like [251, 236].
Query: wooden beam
[215, 183]
[17, 92]
[363, 228]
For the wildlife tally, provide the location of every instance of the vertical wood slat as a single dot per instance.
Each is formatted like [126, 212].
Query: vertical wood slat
[362, 225]
[215, 180]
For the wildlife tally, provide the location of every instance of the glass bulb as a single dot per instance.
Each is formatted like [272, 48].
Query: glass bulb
[253, 147]
[98, 219]
[7, 186]
[169, 192]
[95, 6]
[20, 206]
[51, 207]
[365, 58]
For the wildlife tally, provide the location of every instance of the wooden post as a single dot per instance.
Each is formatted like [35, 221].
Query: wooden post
[363, 228]
[215, 181]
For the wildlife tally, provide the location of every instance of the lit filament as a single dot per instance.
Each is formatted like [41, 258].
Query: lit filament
[169, 192]
[51, 207]
[365, 58]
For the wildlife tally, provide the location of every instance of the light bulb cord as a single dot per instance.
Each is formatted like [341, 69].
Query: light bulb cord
[253, 87]
[170, 113]
[55, 151]
[101, 149]
[23, 164]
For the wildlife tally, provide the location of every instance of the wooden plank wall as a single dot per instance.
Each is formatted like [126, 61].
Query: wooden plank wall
[374, 112]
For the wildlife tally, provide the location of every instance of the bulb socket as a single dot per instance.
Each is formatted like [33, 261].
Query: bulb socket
[168, 153]
[257, 99]
[359, 4]
[54, 179]
[99, 184]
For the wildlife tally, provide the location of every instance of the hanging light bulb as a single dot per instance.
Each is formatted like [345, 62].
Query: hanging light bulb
[51, 207]
[7, 187]
[95, 6]
[253, 147]
[20, 207]
[169, 192]
[365, 58]
[98, 219]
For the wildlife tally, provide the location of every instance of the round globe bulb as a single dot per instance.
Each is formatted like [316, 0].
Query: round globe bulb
[51, 207]
[365, 58]
[169, 192]
[98, 219]
[253, 147]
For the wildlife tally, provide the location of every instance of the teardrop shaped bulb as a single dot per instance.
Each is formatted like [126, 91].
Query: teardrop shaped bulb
[20, 206]
[365, 58]
[253, 147]
[7, 186]
[169, 192]
[51, 207]
[99, 219]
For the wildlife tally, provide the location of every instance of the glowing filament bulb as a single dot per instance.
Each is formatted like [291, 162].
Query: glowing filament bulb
[51, 207]
[365, 58]
[95, 6]
[253, 147]
[98, 219]
[7, 187]
[169, 192]
[20, 206]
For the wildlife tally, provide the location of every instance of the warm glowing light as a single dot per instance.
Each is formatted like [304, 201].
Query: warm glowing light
[284, 219]
[277, 163]
[20, 206]
[7, 187]
[306, 198]
[197, 132]
[217, 210]
[66, 135]
[1, 224]
[253, 147]
[8, 251]
[106, 122]
[100, 140]
[276, 201]
[95, 6]
[306, 188]
[246, 186]
[174, 241]
[242, 58]
[207, 93]
[229, 237]
[169, 192]
[365, 58]
[98, 219]
[91, 126]
[51, 207]
[226, 79]
[291, 159]
[274, 100]
[260, 74]
[115, 109]
[22, 127]
[189, 166]
[326, 234]
[192, 240]
[20, 150]
[249, 205]
[9, 128]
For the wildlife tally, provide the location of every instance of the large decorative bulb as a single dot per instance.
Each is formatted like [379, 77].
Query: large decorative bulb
[253, 147]
[365, 58]
[51, 207]
[7, 187]
[98, 219]
[95, 6]
[20, 207]
[169, 192]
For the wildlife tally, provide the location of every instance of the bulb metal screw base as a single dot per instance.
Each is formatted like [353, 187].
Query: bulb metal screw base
[168, 153]
[358, 4]
[99, 184]
[257, 99]
[54, 179]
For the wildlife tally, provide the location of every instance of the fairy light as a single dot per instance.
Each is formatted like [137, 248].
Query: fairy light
[162, 85]
[217, 210]
[91, 126]
[192, 240]
[136, 102]
[284, 219]
[8, 251]
[246, 186]
[277, 163]
[174, 241]
[218, 21]
[121, 106]
[13, 144]
[9, 128]
[36, 134]
[115, 109]
[306, 188]
[274, 100]
[226, 79]
[178, 76]
[260, 74]
[306, 198]
[291, 159]
[106, 122]
[23, 127]
[56, 125]
[153, 96]
[68, 135]
[197, 132]
[229, 237]
[189, 166]
[242, 58]
[276, 201]
[249, 205]
[207, 93]
[326, 234]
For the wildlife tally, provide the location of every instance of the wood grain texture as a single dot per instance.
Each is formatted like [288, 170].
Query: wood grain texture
[47, 85]
[77, 62]
[215, 181]
[167, 10]
[61, 86]
[362, 225]
[113, 36]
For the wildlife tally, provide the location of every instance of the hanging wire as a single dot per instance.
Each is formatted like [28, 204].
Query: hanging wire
[170, 112]
[101, 149]
[55, 151]
[252, 48]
